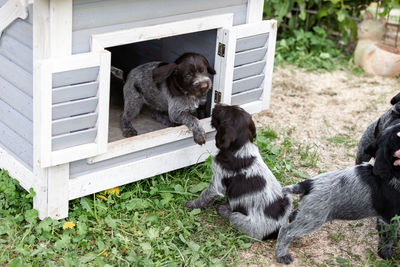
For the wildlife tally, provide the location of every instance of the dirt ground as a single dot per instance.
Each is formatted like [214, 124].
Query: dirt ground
[316, 107]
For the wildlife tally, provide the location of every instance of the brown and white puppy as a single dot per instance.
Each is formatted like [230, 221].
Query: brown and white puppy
[256, 205]
[172, 91]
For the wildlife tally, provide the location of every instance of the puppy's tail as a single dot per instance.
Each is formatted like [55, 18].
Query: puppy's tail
[301, 188]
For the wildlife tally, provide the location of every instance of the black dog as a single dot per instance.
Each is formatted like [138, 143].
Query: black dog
[362, 191]
[172, 91]
[374, 129]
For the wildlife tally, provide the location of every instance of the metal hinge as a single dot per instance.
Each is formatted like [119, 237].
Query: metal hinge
[221, 49]
[217, 97]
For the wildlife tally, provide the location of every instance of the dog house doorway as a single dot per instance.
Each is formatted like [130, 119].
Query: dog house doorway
[126, 57]
[161, 42]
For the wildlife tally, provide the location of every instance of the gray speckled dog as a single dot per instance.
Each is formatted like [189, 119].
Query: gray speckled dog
[375, 128]
[366, 190]
[172, 91]
[256, 205]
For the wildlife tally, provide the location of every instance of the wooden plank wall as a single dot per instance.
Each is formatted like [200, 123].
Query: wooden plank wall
[16, 85]
[89, 16]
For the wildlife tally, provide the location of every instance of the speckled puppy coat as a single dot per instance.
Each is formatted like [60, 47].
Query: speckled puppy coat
[374, 129]
[172, 91]
[366, 190]
[257, 205]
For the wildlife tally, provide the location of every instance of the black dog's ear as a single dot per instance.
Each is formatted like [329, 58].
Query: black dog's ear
[210, 70]
[395, 99]
[371, 150]
[163, 71]
[383, 165]
[252, 130]
[224, 138]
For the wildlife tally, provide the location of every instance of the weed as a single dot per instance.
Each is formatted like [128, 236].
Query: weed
[343, 139]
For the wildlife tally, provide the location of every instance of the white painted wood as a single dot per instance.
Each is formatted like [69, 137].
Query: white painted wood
[80, 61]
[16, 75]
[247, 96]
[103, 95]
[16, 169]
[270, 63]
[15, 98]
[67, 125]
[73, 108]
[253, 107]
[134, 171]
[43, 73]
[41, 43]
[17, 146]
[47, 67]
[81, 38]
[16, 52]
[225, 84]
[219, 66]
[261, 27]
[100, 41]
[73, 139]
[247, 83]
[12, 10]
[102, 13]
[250, 56]
[148, 140]
[248, 70]
[21, 31]
[60, 27]
[58, 191]
[75, 92]
[254, 11]
[73, 153]
[16, 121]
[75, 77]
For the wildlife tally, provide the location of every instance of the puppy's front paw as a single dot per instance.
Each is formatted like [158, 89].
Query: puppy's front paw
[128, 132]
[285, 259]
[386, 253]
[191, 205]
[199, 137]
[224, 211]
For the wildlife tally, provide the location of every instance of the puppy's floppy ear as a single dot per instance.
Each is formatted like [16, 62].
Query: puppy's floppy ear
[395, 99]
[252, 130]
[224, 138]
[210, 69]
[371, 150]
[163, 71]
[383, 165]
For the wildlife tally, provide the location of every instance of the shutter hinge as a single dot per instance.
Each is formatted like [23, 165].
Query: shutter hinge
[217, 97]
[221, 49]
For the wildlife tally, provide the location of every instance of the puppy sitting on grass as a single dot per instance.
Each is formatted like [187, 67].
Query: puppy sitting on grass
[366, 190]
[257, 205]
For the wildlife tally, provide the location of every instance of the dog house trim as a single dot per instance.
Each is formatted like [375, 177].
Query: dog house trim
[99, 42]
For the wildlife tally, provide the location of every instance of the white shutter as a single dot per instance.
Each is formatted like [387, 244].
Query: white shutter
[74, 107]
[249, 64]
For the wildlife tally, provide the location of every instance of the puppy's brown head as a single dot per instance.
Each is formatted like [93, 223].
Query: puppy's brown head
[188, 75]
[234, 127]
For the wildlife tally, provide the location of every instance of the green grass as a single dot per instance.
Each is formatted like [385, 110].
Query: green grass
[145, 225]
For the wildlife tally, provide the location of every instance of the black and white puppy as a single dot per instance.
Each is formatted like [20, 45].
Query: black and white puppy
[257, 206]
[374, 129]
[172, 91]
[366, 190]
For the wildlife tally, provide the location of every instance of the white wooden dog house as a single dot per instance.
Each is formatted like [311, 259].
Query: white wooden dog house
[55, 86]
